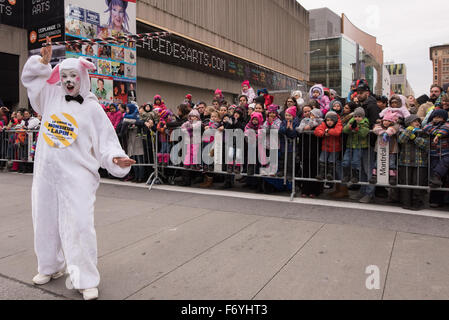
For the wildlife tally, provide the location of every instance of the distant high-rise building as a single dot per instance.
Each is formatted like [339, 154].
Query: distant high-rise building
[398, 78]
[340, 52]
[440, 60]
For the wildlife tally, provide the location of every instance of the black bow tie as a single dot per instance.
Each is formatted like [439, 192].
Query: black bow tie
[78, 99]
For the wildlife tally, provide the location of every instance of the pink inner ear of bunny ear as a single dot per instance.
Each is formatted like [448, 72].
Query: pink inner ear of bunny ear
[87, 64]
[55, 76]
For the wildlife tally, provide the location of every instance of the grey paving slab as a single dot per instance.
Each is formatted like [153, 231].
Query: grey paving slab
[148, 260]
[141, 194]
[113, 210]
[13, 290]
[15, 221]
[418, 268]
[16, 241]
[23, 267]
[238, 267]
[333, 264]
[137, 228]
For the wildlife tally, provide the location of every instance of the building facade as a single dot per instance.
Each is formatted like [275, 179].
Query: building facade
[212, 44]
[440, 61]
[340, 53]
[239, 47]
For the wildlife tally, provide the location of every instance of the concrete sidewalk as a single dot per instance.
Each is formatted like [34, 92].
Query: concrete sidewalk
[167, 244]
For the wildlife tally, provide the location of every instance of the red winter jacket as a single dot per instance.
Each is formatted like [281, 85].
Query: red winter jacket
[332, 143]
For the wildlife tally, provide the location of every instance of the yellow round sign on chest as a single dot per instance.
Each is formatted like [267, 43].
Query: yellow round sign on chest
[60, 131]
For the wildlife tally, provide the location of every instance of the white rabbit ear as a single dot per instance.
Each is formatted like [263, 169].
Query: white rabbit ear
[55, 76]
[87, 64]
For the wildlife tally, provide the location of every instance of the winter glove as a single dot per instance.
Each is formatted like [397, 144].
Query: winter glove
[354, 125]
[385, 137]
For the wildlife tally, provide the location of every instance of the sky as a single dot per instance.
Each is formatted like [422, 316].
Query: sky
[405, 28]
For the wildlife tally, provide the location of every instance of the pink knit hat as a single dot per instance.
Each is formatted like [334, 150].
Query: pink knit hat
[390, 116]
[246, 83]
[292, 111]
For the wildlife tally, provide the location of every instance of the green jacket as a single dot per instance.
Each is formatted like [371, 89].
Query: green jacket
[358, 137]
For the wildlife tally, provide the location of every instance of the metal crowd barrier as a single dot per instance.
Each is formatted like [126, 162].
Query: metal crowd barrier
[306, 146]
[18, 145]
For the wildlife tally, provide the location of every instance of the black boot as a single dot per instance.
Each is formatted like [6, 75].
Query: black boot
[405, 196]
[251, 169]
[330, 172]
[355, 176]
[346, 175]
[322, 171]
[435, 182]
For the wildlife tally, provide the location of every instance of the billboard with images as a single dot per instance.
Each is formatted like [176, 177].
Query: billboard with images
[115, 77]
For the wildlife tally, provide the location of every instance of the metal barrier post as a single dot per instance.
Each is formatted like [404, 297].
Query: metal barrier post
[292, 196]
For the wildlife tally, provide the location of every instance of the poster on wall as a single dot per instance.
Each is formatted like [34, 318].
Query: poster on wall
[115, 77]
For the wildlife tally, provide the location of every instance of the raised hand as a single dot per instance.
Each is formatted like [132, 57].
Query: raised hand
[46, 52]
[124, 162]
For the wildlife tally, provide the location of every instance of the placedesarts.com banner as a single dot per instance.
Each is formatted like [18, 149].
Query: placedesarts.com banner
[116, 75]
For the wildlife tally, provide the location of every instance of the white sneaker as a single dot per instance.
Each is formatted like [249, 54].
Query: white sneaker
[41, 279]
[89, 294]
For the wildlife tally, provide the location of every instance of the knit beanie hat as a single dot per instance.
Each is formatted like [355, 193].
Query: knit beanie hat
[157, 97]
[246, 83]
[410, 119]
[194, 113]
[390, 116]
[359, 112]
[292, 111]
[189, 97]
[335, 102]
[164, 113]
[272, 108]
[317, 113]
[439, 113]
[262, 91]
[332, 115]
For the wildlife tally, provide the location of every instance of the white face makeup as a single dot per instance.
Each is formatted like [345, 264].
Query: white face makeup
[71, 81]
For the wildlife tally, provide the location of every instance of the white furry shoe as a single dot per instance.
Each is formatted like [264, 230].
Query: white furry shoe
[41, 279]
[89, 294]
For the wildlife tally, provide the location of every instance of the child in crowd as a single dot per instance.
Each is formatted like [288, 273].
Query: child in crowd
[273, 122]
[311, 119]
[163, 157]
[235, 152]
[336, 106]
[214, 124]
[308, 151]
[386, 131]
[397, 107]
[191, 159]
[330, 130]
[317, 94]
[223, 112]
[252, 131]
[357, 131]
[347, 113]
[288, 135]
[231, 110]
[248, 91]
[413, 162]
[438, 130]
[261, 109]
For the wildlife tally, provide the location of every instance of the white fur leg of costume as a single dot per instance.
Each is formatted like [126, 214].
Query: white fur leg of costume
[75, 139]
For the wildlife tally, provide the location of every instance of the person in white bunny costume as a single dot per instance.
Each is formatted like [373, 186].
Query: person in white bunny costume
[75, 139]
